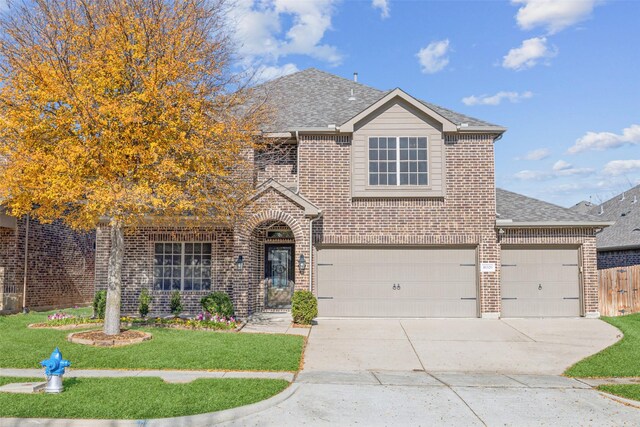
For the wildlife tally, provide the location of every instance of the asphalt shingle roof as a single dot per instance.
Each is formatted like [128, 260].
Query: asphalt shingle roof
[625, 233]
[316, 99]
[519, 208]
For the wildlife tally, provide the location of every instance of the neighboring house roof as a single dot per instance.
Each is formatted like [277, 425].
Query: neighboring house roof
[582, 207]
[314, 99]
[625, 211]
[516, 210]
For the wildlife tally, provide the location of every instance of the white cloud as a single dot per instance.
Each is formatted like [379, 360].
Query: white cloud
[601, 141]
[553, 15]
[264, 72]
[538, 154]
[496, 99]
[559, 169]
[528, 54]
[433, 57]
[383, 5]
[268, 30]
[561, 165]
[620, 167]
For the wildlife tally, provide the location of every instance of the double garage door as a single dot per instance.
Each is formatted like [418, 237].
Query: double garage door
[397, 282]
[430, 282]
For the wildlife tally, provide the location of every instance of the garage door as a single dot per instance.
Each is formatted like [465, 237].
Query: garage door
[397, 282]
[540, 282]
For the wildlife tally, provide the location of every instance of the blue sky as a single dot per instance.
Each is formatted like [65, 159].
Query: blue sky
[562, 75]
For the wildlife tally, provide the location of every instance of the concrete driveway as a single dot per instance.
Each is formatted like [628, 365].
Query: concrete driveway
[525, 346]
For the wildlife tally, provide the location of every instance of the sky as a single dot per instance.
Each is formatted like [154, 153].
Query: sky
[562, 75]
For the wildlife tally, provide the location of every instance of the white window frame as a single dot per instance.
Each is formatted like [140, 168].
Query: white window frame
[397, 163]
[182, 267]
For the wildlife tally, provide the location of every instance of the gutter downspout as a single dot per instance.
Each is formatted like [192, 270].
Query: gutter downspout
[311, 250]
[26, 267]
[297, 163]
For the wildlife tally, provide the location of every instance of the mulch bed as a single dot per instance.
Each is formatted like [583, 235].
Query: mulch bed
[100, 339]
[65, 327]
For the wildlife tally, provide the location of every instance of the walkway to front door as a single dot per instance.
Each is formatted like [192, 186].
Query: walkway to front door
[279, 273]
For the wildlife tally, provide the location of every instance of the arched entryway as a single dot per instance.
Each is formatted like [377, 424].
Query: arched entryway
[273, 252]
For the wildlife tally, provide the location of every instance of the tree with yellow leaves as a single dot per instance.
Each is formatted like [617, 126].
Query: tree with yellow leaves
[122, 111]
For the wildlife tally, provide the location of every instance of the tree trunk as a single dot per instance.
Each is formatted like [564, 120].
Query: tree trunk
[114, 281]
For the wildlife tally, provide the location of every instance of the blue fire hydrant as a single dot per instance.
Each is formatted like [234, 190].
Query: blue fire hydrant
[54, 370]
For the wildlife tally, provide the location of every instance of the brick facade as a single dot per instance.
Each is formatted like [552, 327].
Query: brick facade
[60, 267]
[625, 258]
[465, 216]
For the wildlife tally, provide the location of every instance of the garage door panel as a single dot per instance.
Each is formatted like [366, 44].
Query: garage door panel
[540, 282]
[359, 282]
[367, 307]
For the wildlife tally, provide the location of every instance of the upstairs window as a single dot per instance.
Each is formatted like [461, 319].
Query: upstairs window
[395, 161]
[182, 266]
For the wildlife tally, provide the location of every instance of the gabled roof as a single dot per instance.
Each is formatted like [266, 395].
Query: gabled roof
[447, 125]
[516, 210]
[309, 208]
[314, 100]
[625, 211]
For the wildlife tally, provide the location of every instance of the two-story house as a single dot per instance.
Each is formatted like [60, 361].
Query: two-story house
[384, 206]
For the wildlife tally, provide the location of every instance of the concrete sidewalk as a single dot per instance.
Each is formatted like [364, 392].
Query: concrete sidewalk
[167, 376]
[273, 323]
[384, 398]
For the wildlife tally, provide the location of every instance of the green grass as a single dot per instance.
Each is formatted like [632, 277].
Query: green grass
[136, 398]
[619, 360]
[169, 349]
[630, 391]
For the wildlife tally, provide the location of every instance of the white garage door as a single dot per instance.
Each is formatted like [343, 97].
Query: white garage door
[397, 282]
[540, 282]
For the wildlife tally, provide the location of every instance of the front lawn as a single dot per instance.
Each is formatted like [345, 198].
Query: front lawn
[630, 391]
[136, 398]
[619, 360]
[169, 349]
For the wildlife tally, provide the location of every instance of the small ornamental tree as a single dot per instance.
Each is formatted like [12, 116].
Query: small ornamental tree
[122, 111]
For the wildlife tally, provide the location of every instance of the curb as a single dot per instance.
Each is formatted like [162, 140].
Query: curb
[186, 421]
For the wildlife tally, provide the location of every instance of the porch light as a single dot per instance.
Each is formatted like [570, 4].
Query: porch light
[302, 263]
[240, 262]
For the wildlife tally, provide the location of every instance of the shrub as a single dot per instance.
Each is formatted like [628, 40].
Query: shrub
[304, 307]
[144, 301]
[175, 305]
[217, 303]
[100, 304]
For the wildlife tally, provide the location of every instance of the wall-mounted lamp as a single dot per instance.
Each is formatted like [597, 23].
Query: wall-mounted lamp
[240, 262]
[501, 231]
[302, 263]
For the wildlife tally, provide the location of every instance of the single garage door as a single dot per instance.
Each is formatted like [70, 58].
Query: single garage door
[397, 282]
[540, 282]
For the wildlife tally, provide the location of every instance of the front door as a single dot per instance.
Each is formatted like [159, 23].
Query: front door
[279, 275]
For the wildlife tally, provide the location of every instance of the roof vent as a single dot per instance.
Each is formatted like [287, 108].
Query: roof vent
[601, 210]
[352, 97]
[622, 196]
[355, 76]
[635, 199]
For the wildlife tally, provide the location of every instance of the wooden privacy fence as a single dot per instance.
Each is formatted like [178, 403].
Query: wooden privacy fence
[619, 290]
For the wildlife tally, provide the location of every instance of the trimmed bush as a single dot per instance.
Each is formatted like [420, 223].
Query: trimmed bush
[144, 301]
[175, 305]
[100, 304]
[304, 307]
[217, 303]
